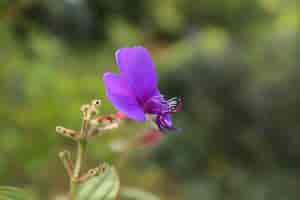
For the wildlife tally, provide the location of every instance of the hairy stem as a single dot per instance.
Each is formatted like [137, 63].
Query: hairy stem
[81, 146]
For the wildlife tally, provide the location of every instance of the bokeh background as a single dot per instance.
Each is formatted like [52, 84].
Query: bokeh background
[235, 62]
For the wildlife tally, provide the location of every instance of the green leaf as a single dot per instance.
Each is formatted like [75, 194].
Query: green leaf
[12, 193]
[106, 186]
[136, 194]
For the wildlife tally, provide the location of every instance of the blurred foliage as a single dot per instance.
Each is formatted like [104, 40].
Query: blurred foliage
[235, 62]
[12, 193]
[136, 194]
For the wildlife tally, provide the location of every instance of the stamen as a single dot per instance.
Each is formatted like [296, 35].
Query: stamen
[174, 104]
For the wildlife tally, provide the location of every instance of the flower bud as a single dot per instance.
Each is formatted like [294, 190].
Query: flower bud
[67, 132]
[65, 157]
[103, 120]
[93, 172]
[84, 108]
[96, 103]
[60, 129]
[109, 127]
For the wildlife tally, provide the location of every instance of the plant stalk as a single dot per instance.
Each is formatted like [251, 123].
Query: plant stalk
[81, 147]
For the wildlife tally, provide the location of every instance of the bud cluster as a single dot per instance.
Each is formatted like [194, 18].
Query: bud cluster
[92, 125]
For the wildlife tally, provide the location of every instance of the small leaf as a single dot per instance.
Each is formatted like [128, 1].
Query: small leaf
[12, 193]
[136, 194]
[106, 186]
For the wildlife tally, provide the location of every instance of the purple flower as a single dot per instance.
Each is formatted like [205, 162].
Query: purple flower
[135, 92]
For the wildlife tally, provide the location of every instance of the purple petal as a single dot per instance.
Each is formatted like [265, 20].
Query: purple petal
[138, 68]
[119, 93]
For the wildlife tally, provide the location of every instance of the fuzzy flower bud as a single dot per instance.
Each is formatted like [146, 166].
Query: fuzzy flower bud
[84, 108]
[67, 132]
[96, 103]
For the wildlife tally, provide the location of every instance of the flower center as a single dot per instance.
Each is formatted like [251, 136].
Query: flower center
[158, 105]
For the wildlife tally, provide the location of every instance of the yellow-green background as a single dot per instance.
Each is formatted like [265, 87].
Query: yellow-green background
[235, 62]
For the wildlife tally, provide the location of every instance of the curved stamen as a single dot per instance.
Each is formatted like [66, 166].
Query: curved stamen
[159, 105]
[174, 104]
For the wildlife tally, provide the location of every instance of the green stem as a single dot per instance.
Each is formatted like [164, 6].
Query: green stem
[81, 147]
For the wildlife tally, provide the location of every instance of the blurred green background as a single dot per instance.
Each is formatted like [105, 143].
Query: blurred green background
[235, 62]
